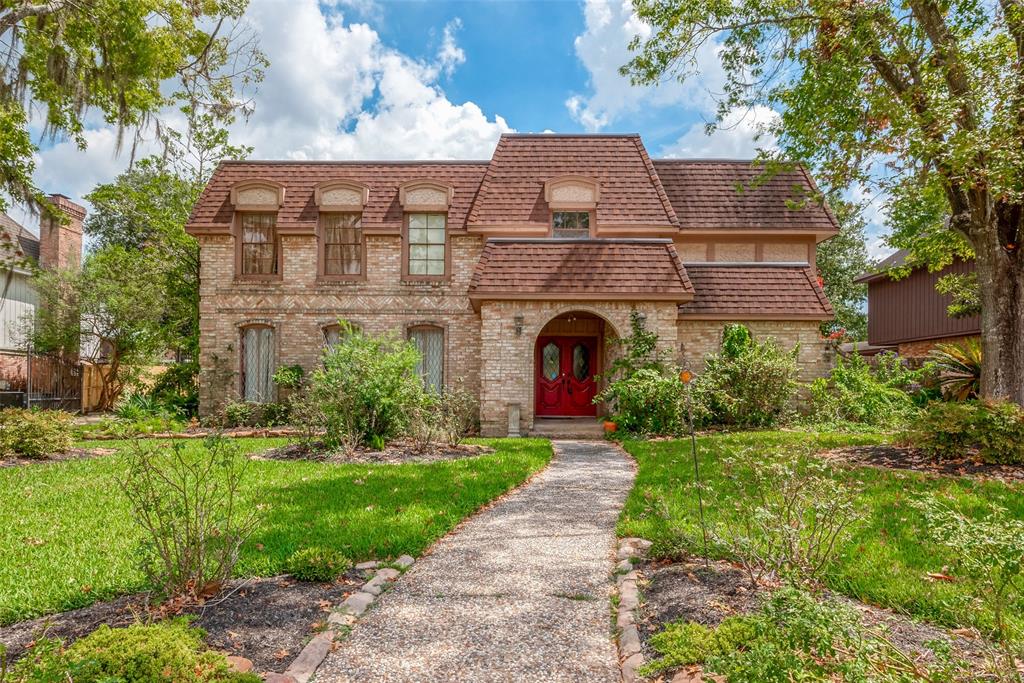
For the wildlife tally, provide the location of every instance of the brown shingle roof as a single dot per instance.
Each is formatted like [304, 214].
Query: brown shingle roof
[512, 191]
[642, 269]
[724, 195]
[18, 242]
[783, 291]
[214, 210]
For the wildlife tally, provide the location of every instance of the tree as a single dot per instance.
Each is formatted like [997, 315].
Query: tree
[147, 206]
[922, 101]
[840, 260]
[107, 313]
[130, 61]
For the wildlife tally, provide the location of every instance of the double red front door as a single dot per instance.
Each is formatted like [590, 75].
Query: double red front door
[565, 376]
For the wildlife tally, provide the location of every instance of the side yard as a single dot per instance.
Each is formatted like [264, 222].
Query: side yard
[68, 538]
[887, 561]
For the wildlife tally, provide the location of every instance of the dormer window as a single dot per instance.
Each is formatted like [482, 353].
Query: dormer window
[342, 245]
[260, 252]
[425, 244]
[570, 224]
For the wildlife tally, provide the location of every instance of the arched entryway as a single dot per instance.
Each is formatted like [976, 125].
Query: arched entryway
[568, 356]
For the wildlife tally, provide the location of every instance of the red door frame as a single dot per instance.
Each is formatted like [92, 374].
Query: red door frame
[566, 396]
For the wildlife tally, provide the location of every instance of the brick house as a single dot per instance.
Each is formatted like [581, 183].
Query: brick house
[509, 274]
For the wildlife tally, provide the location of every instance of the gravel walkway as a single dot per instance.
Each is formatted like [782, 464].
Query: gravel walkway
[518, 593]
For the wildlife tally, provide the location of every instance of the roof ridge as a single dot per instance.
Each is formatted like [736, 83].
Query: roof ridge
[652, 173]
[357, 162]
[473, 215]
[570, 135]
[678, 263]
[824, 203]
[818, 290]
[705, 160]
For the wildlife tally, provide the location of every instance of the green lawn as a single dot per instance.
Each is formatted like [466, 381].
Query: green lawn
[885, 563]
[67, 537]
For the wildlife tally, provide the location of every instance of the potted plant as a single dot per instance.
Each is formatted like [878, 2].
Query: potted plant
[610, 425]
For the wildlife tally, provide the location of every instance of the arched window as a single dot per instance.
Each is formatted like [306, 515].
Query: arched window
[257, 370]
[429, 341]
[334, 332]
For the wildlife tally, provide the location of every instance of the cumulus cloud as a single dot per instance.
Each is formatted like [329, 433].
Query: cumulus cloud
[334, 90]
[603, 49]
[739, 136]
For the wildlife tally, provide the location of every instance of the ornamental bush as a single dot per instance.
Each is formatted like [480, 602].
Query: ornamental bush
[855, 392]
[747, 384]
[950, 430]
[34, 433]
[317, 564]
[647, 402]
[165, 652]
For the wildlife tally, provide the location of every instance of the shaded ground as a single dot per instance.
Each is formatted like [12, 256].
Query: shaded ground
[73, 454]
[393, 454]
[265, 620]
[688, 591]
[908, 458]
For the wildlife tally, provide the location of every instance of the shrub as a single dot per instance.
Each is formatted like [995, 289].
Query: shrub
[691, 643]
[317, 564]
[959, 369]
[289, 376]
[750, 385]
[988, 552]
[177, 389]
[239, 414]
[854, 392]
[647, 402]
[949, 430]
[251, 414]
[367, 390]
[169, 651]
[789, 515]
[457, 410]
[34, 433]
[186, 501]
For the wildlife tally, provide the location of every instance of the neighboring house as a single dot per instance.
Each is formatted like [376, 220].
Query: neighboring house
[907, 315]
[508, 274]
[57, 246]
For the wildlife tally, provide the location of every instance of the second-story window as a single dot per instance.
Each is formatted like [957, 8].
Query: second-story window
[427, 244]
[570, 224]
[342, 244]
[259, 244]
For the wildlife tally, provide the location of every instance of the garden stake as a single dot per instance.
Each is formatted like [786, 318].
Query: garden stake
[686, 377]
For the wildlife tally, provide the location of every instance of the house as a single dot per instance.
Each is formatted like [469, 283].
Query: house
[509, 274]
[908, 315]
[58, 246]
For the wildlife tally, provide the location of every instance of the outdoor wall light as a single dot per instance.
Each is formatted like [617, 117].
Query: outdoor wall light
[518, 320]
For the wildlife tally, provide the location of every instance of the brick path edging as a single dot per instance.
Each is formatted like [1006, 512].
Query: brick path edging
[631, 656]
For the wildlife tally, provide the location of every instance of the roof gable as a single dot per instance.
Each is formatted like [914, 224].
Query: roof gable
[512, 190]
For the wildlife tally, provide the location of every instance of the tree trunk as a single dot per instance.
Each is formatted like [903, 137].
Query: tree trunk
[1001, 281]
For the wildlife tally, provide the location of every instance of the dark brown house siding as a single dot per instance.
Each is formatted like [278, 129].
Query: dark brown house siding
[910, 309]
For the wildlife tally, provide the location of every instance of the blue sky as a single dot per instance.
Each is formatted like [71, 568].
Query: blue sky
[358, 79]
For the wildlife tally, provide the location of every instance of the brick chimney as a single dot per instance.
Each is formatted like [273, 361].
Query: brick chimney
[60, 244]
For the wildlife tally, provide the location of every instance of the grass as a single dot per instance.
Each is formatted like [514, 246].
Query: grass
[67, 537]
[884, 563]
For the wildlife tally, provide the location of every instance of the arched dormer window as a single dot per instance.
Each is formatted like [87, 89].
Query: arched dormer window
[341, 253]
[425, 254]
[573, 201]
[257, 244]
[341, 195]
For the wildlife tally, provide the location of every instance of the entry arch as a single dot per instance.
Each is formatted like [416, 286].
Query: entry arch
[570, 352]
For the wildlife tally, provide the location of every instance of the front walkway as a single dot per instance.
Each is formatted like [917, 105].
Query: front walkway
[518, 593]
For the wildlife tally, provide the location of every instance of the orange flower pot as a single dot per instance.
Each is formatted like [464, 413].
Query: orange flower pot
[610, 426]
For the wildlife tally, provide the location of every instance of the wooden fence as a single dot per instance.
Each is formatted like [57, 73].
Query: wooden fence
[92, 382]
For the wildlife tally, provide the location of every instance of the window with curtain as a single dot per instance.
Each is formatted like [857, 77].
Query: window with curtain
[426, 244]
[343, 243]
[258, 364]
[259, 244]
[429, 342]
[570, 224]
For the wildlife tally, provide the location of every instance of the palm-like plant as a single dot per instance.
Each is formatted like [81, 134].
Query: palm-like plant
[959, 368]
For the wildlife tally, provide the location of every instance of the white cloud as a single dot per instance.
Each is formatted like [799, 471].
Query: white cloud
[333, 91]
[739, 136]
[603, 49]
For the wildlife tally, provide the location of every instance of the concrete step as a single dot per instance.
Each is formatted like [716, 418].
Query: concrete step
[583, 428]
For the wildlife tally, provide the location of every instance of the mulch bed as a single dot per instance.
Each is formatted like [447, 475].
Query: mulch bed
[73, 454]
[690, 592]
[265, 620]
[393, 454]
[201, 433]
[908, 458]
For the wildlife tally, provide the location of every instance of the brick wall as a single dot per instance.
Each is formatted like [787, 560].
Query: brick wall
[507, 366]
[920, 349]
[298, 307]
[60, 244]
[697, 338]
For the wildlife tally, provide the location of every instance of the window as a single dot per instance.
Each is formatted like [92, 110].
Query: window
[335, 333]
[570, 224]
[426, 244]
[259, 244]
[429, 342]
[258, 363]
[342, 243]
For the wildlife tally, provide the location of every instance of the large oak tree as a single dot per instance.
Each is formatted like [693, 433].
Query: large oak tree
[923, 100]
